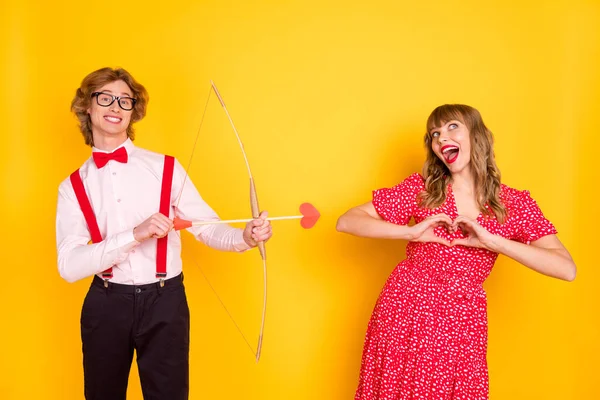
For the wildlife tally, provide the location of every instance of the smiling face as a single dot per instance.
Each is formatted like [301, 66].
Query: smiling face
[459, 145]
[451, 143]
[112, 121]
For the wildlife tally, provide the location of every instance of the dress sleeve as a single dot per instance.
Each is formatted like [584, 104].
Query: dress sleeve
[397, 204]
[531, 223]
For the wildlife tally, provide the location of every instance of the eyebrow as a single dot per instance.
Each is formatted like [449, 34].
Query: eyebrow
[434, 129]
[122, 93]
[448, 122]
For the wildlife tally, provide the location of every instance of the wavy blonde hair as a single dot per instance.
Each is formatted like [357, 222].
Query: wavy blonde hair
[94, 81]
[483, 164]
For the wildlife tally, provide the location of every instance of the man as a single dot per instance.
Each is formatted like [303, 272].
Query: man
[114, 215]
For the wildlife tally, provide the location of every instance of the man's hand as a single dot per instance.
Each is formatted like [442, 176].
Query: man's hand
[156, 226]
[258, 230]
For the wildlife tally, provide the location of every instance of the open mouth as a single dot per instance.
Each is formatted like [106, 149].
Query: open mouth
[450, 153]
[113, 120]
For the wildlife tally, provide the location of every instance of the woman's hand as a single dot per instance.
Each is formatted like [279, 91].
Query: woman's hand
[476, 235]
[424, 230]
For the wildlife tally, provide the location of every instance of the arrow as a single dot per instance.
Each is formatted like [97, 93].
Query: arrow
[308, 219]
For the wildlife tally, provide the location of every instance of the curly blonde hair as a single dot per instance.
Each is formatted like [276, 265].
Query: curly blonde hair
[483, 164]
[94, 81]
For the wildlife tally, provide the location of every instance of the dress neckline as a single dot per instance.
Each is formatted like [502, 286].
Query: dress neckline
[455, 207]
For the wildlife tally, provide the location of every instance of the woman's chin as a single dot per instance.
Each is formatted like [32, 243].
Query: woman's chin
[457, 168]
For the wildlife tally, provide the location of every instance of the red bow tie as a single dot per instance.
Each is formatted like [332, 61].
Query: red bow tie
[101, 159]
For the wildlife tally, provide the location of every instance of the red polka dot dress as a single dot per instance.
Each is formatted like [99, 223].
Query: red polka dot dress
[427, 337]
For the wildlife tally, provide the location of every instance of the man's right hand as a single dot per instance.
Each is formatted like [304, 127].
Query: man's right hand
[156, 226]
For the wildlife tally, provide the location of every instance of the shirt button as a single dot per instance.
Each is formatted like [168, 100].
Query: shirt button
[114, 173]
[133, 251]
[118, 200]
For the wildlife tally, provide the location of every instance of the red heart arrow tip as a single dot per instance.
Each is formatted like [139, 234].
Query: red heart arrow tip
[310, 215]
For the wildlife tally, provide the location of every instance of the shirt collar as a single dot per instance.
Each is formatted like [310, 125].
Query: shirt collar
[128, 144]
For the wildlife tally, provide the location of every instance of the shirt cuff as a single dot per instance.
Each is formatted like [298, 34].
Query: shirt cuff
[239, 243]
[124, 243]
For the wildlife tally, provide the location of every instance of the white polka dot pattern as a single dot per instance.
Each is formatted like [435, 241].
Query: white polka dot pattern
[427, 337]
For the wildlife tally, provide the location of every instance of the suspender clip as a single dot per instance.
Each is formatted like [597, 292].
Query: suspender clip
[161, 276]
[106, 275]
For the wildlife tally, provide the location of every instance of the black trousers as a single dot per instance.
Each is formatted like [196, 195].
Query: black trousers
[152, 320]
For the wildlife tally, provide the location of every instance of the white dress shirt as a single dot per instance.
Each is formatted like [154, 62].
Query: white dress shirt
[122, 196]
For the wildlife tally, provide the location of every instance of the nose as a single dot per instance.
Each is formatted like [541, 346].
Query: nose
[443, 137]
[114, 107]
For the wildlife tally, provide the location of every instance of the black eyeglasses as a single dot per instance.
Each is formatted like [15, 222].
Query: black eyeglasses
[106, 99]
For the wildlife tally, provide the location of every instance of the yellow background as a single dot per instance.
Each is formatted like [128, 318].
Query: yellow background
[331, 99]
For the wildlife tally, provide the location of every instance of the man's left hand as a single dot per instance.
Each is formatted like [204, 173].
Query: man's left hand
[258, 230]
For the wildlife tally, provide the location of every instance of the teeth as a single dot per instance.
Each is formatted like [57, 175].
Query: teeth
[113, 119]
[449, 149]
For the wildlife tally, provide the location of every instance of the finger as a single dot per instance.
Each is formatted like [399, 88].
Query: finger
[457, 221]
[459, 242]
[262, 227]
[257, 222]
[446, 225]
[440, 220]
[160, 217]
[166, 222]
[163, 223]
[263, 237]
[163, 226]
[262, 224]
[160, 231]
[465, 220]
[268, 233]
[441, 241]
[434, 221]
[444, 217]
[261, 232]
[459, 225]
[463, 242]
[442, 224]
[260, 220]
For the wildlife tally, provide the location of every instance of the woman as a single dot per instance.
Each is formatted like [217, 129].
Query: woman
[427, 337]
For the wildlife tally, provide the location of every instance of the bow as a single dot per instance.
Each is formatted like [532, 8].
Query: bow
[101, 158]
[308, 219]
[255, 210]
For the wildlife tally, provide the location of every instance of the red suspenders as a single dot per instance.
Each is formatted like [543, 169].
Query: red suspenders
[165, 203]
